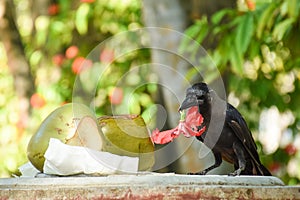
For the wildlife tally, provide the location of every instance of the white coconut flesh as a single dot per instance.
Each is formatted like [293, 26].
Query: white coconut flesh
[87, 134]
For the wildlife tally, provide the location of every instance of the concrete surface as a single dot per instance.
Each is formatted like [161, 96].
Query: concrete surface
[148, 186]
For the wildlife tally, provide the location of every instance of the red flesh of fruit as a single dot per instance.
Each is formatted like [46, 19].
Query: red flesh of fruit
[188, 127]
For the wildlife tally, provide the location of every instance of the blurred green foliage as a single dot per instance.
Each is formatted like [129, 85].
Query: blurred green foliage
[57, 44]
[12, 148]
[257, 51]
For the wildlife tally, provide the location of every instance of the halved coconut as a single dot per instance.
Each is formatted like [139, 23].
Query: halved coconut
[62, 124]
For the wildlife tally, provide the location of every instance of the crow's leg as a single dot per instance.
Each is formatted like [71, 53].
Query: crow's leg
[239, 152]
[218, 161]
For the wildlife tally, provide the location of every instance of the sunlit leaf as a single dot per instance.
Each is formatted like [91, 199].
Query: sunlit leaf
[281, 28]
[293, 8]
[41, 24]
[134, 106]
[264, 18]
[149, 116]
[81, 19]
[35, 57]
[284, 8]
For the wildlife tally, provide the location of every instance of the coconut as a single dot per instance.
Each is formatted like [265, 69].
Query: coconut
[73, 124]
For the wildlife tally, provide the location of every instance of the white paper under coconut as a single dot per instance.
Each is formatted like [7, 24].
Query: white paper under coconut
[62, 159]
[28, 170]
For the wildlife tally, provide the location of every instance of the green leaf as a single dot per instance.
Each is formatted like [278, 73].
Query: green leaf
[81, 18]
[190, 74]
[264, 18]
[189, 33]
[293, 8]
[236, 60]
[244, 32]
[198, 31]
[254, 48]
[222, 54]
[193, 30]
[218, 29]
[216, 18]
[202, 34]
[284, 8]
[281, 28]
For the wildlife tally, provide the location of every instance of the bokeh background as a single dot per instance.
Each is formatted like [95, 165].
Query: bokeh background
[255, 45]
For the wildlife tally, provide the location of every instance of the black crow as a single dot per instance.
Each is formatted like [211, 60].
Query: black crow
[232, 141]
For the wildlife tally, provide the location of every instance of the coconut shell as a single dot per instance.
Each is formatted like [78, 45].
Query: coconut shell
[127, 135]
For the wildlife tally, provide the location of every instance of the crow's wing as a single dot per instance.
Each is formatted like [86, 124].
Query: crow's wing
[235, 121]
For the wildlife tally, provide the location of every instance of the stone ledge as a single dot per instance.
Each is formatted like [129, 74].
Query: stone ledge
[147, 186]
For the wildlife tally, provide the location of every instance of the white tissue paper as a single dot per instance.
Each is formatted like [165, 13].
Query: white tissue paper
[28, 170]
[62, 159]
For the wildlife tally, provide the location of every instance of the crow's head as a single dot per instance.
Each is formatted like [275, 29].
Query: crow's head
[196, 95]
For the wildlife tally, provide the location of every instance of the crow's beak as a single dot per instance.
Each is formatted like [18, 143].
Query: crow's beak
[190, 101]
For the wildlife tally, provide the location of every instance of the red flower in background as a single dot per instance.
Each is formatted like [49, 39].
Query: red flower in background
[72, 51]
[53, 9]
[250, 4]
[107, 56]
[87, 1]
[116, 96]
[290, 149]
[80, 64]
[274, 167]
[37, 101]
[58, 59]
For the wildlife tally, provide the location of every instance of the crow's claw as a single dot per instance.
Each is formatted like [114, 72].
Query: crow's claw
[235, 173]
[198, 173]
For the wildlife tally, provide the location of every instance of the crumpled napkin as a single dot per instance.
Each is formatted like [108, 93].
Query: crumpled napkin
[28, 170]
[62, 159]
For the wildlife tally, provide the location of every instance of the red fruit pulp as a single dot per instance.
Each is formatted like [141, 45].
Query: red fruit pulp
[188, 127]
